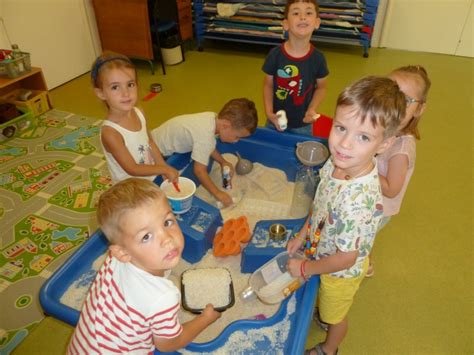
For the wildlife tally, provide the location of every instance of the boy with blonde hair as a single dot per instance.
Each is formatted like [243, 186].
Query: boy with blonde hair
[347, 207]
[296, 71]
[131, 306]
[196, 133]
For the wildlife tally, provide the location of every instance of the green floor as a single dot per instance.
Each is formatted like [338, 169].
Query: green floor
[420, 300]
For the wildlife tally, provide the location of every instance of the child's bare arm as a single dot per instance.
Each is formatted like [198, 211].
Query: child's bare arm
[339, 261]
[114, 144]
[200, 170]
[268, 100]
[397, 171]
[190, 331]
[295, 243]
[318, 97]
[169, 172]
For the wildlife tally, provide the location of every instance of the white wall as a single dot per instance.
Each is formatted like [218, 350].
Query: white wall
[466, 43]
[56, 33]
[435, 26]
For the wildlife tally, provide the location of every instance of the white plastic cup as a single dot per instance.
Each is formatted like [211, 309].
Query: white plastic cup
[180, 202]
[282, 119]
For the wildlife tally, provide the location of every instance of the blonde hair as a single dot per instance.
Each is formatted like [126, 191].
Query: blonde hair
[124, 196]
[420, 76]
[109, 60]
[241, 113]
[378, 99]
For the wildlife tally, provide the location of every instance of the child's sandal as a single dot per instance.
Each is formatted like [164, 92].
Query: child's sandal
[370, 270]
[317, 350]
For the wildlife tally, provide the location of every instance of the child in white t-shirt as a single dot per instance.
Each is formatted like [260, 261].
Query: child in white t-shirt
[196, 133]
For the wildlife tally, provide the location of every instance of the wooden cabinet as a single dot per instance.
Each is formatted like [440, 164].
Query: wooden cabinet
[185, 19]
[124, 25]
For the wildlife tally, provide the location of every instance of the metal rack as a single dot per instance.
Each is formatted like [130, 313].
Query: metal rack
[345, 22]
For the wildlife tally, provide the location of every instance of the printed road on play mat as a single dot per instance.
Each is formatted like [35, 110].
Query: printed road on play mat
[51, 176]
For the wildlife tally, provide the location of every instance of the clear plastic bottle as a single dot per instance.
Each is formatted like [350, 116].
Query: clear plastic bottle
[226, 182]
[271, 283]
[306, 182]
[16, 52]
[282, 119]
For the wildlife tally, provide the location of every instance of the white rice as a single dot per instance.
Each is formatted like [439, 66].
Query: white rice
[206, 285]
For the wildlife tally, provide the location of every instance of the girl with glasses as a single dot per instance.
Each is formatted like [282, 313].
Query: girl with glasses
[396, 164]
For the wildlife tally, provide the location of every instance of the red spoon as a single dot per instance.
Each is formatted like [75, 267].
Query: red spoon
[176, 186]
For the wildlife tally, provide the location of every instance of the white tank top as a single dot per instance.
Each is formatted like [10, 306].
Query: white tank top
[137, 143]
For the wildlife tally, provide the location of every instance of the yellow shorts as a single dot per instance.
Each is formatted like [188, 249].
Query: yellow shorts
[336, 295]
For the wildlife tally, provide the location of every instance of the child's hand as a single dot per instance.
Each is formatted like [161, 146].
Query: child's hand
[273, 118]
[224, 198]
[170, 173]
[293, 245]
[294, 267]
[210, 313]
[310, 116]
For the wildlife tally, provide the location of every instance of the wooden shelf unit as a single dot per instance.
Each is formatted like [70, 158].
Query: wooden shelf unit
[33, 80]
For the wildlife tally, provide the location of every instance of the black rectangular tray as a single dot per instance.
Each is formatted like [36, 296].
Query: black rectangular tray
[199, 310]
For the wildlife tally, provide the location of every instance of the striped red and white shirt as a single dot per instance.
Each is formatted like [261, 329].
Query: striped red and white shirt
[124, 309]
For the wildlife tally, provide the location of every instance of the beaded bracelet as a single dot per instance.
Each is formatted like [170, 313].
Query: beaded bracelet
[302, 270]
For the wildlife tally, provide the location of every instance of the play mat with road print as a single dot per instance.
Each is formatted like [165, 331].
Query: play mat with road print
[51, 176]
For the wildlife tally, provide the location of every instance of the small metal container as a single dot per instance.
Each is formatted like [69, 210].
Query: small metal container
[155, 87]
[277, 232]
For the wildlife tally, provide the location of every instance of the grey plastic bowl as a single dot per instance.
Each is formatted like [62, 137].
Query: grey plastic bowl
[311, 153]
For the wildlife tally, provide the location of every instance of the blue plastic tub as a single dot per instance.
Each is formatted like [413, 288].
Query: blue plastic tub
[268, 147]
[261, 248]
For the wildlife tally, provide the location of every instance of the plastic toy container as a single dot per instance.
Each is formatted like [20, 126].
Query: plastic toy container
[13, 68]
[199, 226]
[180, 201]
[17, 125]
[272, 282]
[262, 247]
[37, 101]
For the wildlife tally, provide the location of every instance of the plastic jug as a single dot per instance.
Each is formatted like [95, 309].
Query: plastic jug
[306, 183]
[272, 283]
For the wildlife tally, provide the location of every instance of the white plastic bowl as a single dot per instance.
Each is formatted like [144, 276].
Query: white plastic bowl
[180, 202]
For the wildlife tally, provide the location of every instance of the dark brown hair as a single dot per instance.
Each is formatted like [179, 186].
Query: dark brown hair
[241, 113]
[378, 99]
[291, 2]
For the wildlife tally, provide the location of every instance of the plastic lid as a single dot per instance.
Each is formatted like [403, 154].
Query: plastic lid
[311, 153]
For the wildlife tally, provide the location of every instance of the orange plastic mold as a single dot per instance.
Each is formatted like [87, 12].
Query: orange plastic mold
[232, 234]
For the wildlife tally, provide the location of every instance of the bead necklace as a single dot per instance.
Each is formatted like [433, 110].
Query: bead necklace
[311, 245]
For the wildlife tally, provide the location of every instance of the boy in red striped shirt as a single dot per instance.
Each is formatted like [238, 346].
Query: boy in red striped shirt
[131, 306]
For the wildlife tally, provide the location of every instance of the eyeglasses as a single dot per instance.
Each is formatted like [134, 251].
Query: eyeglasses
[410, 100]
